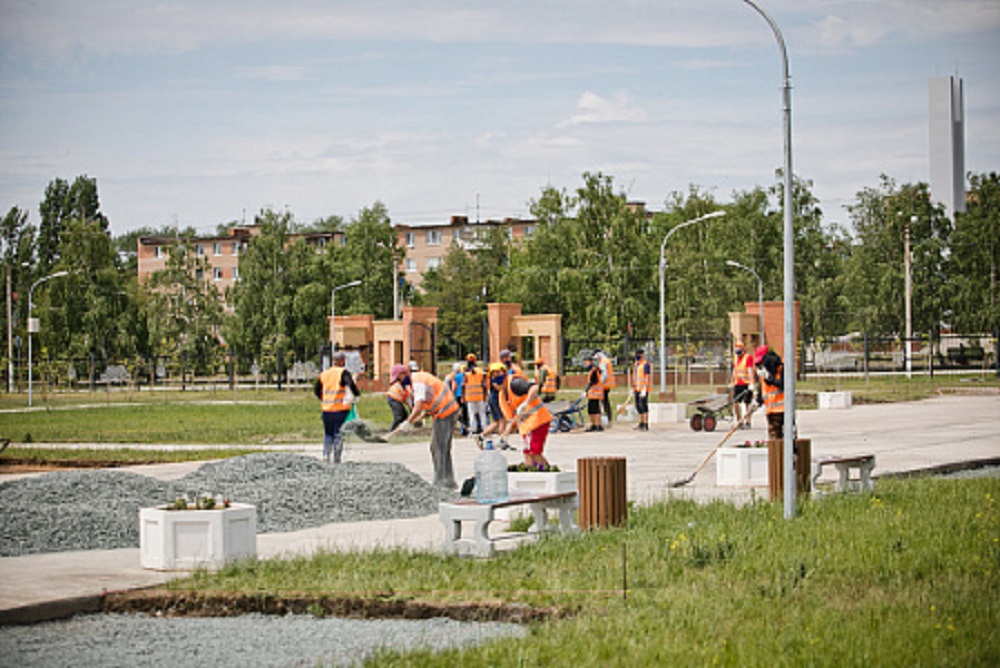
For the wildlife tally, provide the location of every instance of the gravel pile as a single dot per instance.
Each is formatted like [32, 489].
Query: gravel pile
[135, 640]
[99, 509]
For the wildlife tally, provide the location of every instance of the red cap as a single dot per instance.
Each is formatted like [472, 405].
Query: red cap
[397, 371]
[758, 354]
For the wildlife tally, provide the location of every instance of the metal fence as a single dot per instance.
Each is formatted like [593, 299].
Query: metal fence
[867, 354]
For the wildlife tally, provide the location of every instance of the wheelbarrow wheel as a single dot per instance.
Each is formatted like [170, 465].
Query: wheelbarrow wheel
[697, 422]
[565, 424]
[709, 423]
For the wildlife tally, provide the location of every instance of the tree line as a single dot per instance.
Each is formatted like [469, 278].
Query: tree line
[593, 257]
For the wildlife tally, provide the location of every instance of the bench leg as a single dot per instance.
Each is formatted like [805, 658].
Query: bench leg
[866, 476]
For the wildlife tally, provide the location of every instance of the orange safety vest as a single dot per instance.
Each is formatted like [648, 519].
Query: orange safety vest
[743, 369]
[642, 380]
[774, 399]
[535, 416]
[443, 404]
[334, 394]
[595, 391]
[549, 386]
[608, 371]
[399, 393]
[475, 385]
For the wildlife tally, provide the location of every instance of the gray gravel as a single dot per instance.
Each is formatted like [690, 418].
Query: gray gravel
[250, 640]
[99, 509]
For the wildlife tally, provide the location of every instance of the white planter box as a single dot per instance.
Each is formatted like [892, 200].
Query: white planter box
[834, 400]
[177, 540]
[667, 413]
[741, 467]
[535, 483]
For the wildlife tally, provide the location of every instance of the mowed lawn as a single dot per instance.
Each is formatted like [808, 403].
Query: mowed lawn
[906, 576]
[193, 418]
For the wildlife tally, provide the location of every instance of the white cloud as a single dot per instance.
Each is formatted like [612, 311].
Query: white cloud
[592, 108]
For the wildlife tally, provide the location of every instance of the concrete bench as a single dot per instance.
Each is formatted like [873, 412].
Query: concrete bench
[479, 543]
[864, 464]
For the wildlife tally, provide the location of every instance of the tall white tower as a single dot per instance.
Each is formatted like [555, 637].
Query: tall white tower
[947, 134]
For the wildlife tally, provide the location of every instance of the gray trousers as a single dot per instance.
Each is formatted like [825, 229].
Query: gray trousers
[442, 433]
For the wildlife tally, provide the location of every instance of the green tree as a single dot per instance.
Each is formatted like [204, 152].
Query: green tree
[64, 202]
[272, 271]
[184, 310]
[975, 258]
[875, 271]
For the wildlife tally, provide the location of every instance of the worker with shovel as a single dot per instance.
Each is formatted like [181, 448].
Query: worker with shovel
[432, 396]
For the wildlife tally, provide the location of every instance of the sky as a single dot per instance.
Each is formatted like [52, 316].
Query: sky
[198, 113]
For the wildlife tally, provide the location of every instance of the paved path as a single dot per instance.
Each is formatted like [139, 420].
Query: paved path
[903, 437]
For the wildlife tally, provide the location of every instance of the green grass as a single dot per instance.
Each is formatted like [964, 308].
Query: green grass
[907, 576]
[121, 456]
[272, 417]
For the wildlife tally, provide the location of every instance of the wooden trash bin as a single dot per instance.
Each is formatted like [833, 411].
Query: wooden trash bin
[802, 460]
[601, 486]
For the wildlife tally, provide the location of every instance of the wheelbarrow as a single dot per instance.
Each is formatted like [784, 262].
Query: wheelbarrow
[709, 410]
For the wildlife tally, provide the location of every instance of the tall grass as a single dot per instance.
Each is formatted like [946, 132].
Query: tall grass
[909, 575]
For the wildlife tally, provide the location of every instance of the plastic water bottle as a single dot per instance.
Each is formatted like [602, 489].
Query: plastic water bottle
[491, 476]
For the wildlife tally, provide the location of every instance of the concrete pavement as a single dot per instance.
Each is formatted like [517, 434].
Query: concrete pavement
[905, 437]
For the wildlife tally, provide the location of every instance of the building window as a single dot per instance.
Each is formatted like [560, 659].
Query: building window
[433, 237]
[456, 235]
[236, 274]
[158, 252]
[199, 249]
[217, 274]
[411, 239]
[433, 263]
[529, 230]
[217, 248]
[199, 274]
[236, 248]
[411, 265]
[343, 239]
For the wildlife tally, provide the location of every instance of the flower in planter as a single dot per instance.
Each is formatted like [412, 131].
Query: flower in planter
[205, 501]
[533, 468]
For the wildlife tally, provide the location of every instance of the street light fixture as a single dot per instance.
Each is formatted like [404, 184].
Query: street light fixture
[663, 316]
[333, 311]
[33, 326]
[760, 296]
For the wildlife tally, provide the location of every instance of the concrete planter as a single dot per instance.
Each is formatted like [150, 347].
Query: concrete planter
[834, 400]
[177, 540]
[535, 483]
[667, 413]
[741, 467]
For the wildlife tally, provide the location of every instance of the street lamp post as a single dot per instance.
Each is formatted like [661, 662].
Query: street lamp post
[908, 289]
[333, 311]
[31, 325]
[663, 316]
[789, 288]
[760, 296]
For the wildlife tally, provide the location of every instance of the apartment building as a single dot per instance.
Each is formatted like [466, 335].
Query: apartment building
[427, 243]
[221, 252]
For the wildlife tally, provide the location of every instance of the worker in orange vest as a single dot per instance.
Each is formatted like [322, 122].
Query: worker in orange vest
[336, 389]
[642, 383]
[743, 382]
[432, 396]
[399, 395]
[608, 380]
[771, 393]
[595, 393]
[475, 394]
[522, 406]
[546, 379]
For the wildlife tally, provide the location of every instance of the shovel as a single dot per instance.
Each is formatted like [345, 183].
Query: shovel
[684, 481]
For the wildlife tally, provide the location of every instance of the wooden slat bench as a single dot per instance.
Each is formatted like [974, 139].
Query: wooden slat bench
[864, 464]
[479, 543]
